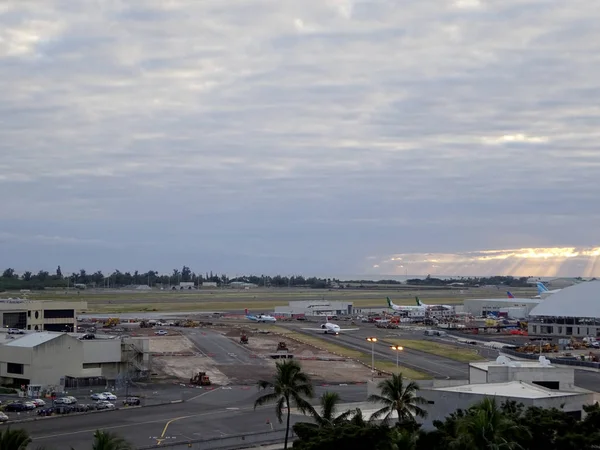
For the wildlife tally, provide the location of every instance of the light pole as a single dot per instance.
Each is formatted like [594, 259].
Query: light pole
[397, 349]
[372, 340]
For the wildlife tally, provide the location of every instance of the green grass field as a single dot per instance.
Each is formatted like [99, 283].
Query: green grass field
[123, 301]
[330, 347]
[439, 349]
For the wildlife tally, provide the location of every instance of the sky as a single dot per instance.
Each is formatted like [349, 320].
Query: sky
[315, 137]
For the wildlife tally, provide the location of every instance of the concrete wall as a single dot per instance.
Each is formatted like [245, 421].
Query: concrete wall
[477, 376]
[500, 374]
[54, 359]
[101, 351]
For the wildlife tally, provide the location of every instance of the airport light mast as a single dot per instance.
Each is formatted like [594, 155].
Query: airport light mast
[372, 340]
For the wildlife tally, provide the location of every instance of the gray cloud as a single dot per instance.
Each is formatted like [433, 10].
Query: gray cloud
[298, 136]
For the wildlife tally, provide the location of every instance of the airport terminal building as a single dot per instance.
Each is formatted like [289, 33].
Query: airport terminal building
[574, 311]
[38, 315]
[314, 308]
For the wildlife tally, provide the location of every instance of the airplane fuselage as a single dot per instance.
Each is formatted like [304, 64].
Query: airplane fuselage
[330, 328]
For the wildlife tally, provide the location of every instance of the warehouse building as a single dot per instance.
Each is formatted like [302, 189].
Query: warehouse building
[50, 360]
[573, 311]
[37, 315]
[514, 307]
[314, 308]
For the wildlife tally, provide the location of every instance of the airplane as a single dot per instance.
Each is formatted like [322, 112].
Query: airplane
[260, 317]
[509, 294]
[404, 308]
[543, 290]
[330, 328]
[420, 303]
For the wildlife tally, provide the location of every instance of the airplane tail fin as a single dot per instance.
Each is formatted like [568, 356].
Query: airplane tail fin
[419, 302]
[389, 302]
[246, 311]
[509, 294]
[541, 288]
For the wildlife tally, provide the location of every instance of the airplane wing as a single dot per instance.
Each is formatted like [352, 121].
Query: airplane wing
[349, 329]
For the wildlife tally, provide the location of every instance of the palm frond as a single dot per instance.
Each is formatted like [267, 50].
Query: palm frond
[264, 399]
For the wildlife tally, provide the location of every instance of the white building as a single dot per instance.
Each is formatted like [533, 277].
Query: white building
[37, 315]
[574, 311]
[483, 306]
[530, 383]
[315, 308]
[209, 284]
[187, 285]
[61, 359]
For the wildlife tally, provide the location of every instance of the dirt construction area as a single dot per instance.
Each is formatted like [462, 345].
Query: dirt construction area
[218, 352]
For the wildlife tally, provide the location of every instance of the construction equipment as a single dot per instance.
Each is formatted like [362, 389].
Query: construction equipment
[282, 347]
[190, 324]
[243, 339]
[200, 379]
[112, 322]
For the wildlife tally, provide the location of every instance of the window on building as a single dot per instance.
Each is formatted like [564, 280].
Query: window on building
[559, 330]
[59, 313]
[37, 314]
[569, 330]
[14, 368]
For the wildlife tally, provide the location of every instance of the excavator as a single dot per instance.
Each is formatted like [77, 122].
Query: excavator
[200, 379]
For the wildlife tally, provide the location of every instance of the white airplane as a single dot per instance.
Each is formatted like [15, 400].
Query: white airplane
[420, 303]
[405, 308]
[330, 328]
[260, 318]
[543, 291]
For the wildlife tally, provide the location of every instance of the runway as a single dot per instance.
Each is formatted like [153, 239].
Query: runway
[221, 349]
[210, 413]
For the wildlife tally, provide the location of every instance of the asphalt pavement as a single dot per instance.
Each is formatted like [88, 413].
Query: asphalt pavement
[207, 413]
[221, 349]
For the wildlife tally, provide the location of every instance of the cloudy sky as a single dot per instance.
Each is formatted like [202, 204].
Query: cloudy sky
[319, 137]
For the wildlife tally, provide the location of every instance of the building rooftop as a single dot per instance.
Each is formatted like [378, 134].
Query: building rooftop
[580, 300]
[516, 389]
[515, 301]
[33, 339]
[485, 365]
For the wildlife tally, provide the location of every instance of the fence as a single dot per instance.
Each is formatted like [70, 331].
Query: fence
[566, 362]
[238, 441]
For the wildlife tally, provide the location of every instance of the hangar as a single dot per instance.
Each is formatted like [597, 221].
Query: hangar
[314, 308]
[574, 311]
[484, 306]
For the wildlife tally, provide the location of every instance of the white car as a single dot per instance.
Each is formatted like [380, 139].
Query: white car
[109, 396]
[103, 404]
[3, 417]
[99, 397]
[161, 332]
[38, 402]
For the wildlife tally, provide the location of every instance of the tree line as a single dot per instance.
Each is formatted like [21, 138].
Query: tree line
[19, 439]
[11, 280]
[487, 425]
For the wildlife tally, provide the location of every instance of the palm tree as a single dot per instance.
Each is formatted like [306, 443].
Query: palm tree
[400, 397]
[486, 427]
[104, 440]
[290, 386]
[14, 439]
[328, 417]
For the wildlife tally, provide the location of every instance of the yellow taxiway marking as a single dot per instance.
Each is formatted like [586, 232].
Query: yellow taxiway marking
[164, 431]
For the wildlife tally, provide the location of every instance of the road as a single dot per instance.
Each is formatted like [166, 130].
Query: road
[221, 349]
[214, 413]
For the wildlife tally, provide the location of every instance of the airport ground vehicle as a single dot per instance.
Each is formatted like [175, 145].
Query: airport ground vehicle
[200, 379]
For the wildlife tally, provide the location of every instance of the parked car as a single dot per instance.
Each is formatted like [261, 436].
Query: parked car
[38, 402]
[131, 401]
[15, 331]
[104, 404]
[16, 407]
[65, 401]
[109, 396]
[98, 396]
[161, 332]
[3, 417]
[29, 405]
